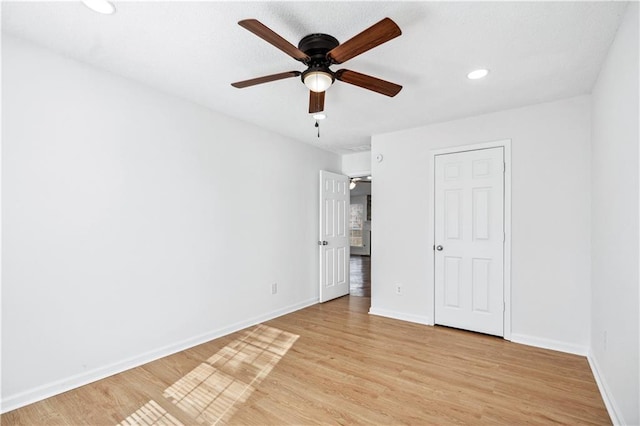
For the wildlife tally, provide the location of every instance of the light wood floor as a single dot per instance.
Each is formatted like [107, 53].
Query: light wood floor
[335, 364]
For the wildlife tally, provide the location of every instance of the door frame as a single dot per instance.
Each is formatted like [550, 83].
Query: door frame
[506, 145]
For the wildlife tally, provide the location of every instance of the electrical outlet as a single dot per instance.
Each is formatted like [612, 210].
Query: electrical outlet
[274, 288]
[398, 289]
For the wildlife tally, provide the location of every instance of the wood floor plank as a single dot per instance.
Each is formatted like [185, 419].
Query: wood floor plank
[336, 364]
[360, 275]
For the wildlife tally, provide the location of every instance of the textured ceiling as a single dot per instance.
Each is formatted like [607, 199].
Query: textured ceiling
[537, 52]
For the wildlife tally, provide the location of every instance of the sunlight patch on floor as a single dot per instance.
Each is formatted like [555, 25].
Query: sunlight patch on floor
[151, 414]
[210, 392]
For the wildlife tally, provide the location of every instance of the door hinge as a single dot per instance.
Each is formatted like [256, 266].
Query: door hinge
[504, 167]
[504, 237]
[504, 306]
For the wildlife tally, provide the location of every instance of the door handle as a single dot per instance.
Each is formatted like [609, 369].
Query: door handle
[439, 248]
[323, 243]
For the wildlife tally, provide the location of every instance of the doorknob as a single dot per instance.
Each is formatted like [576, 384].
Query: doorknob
[439, 248]
[323, 243]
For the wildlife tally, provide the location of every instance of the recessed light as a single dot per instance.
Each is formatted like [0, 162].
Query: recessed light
[474, 75]
[319, 116]
[101, 6]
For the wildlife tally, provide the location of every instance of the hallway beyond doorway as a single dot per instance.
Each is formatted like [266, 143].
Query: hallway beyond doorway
[360, 276]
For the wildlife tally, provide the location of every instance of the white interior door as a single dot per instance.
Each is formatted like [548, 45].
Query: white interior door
[334, 235]
[469, 240]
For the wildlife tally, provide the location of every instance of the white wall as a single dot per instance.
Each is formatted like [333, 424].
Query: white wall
[136, 224]
[356, 164]
[615, 255]
[550, 218]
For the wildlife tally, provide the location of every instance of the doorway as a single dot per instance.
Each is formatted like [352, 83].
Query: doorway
[360, 236]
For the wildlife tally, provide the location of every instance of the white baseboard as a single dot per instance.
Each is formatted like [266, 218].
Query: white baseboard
[554, 345]
[46, 391]
[609, 402]
[420, 319]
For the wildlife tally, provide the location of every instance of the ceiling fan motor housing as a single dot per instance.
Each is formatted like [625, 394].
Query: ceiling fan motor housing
[316, 47]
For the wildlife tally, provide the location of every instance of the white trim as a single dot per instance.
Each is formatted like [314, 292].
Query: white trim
[1, 257]
[48, 390]
[554, 345]
[359, 174]
[419, 319]
[506, 145]
[609, 402]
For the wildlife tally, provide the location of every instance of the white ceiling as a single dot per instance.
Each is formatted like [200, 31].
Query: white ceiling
[537, 52]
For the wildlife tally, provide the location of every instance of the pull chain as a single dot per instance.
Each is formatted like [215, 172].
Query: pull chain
[318, 127]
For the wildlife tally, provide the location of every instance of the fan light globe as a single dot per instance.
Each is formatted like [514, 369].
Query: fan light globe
[101, 6]
[318, 81]
[477, 74]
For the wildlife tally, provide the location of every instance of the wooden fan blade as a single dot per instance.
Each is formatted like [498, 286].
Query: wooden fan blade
[268, 35]
[316, 101]
[373, 36]
[265, 79]
[368, 82]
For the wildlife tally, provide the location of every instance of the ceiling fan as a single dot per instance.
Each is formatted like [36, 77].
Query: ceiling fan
[318, 52]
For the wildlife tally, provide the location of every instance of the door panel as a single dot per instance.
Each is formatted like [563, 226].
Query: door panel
[469, 239]
[480, 284]
[481, 223]
[453, 215]
[334, 235]
[452, 282]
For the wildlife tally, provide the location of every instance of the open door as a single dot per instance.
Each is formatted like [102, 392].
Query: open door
[334, 235]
